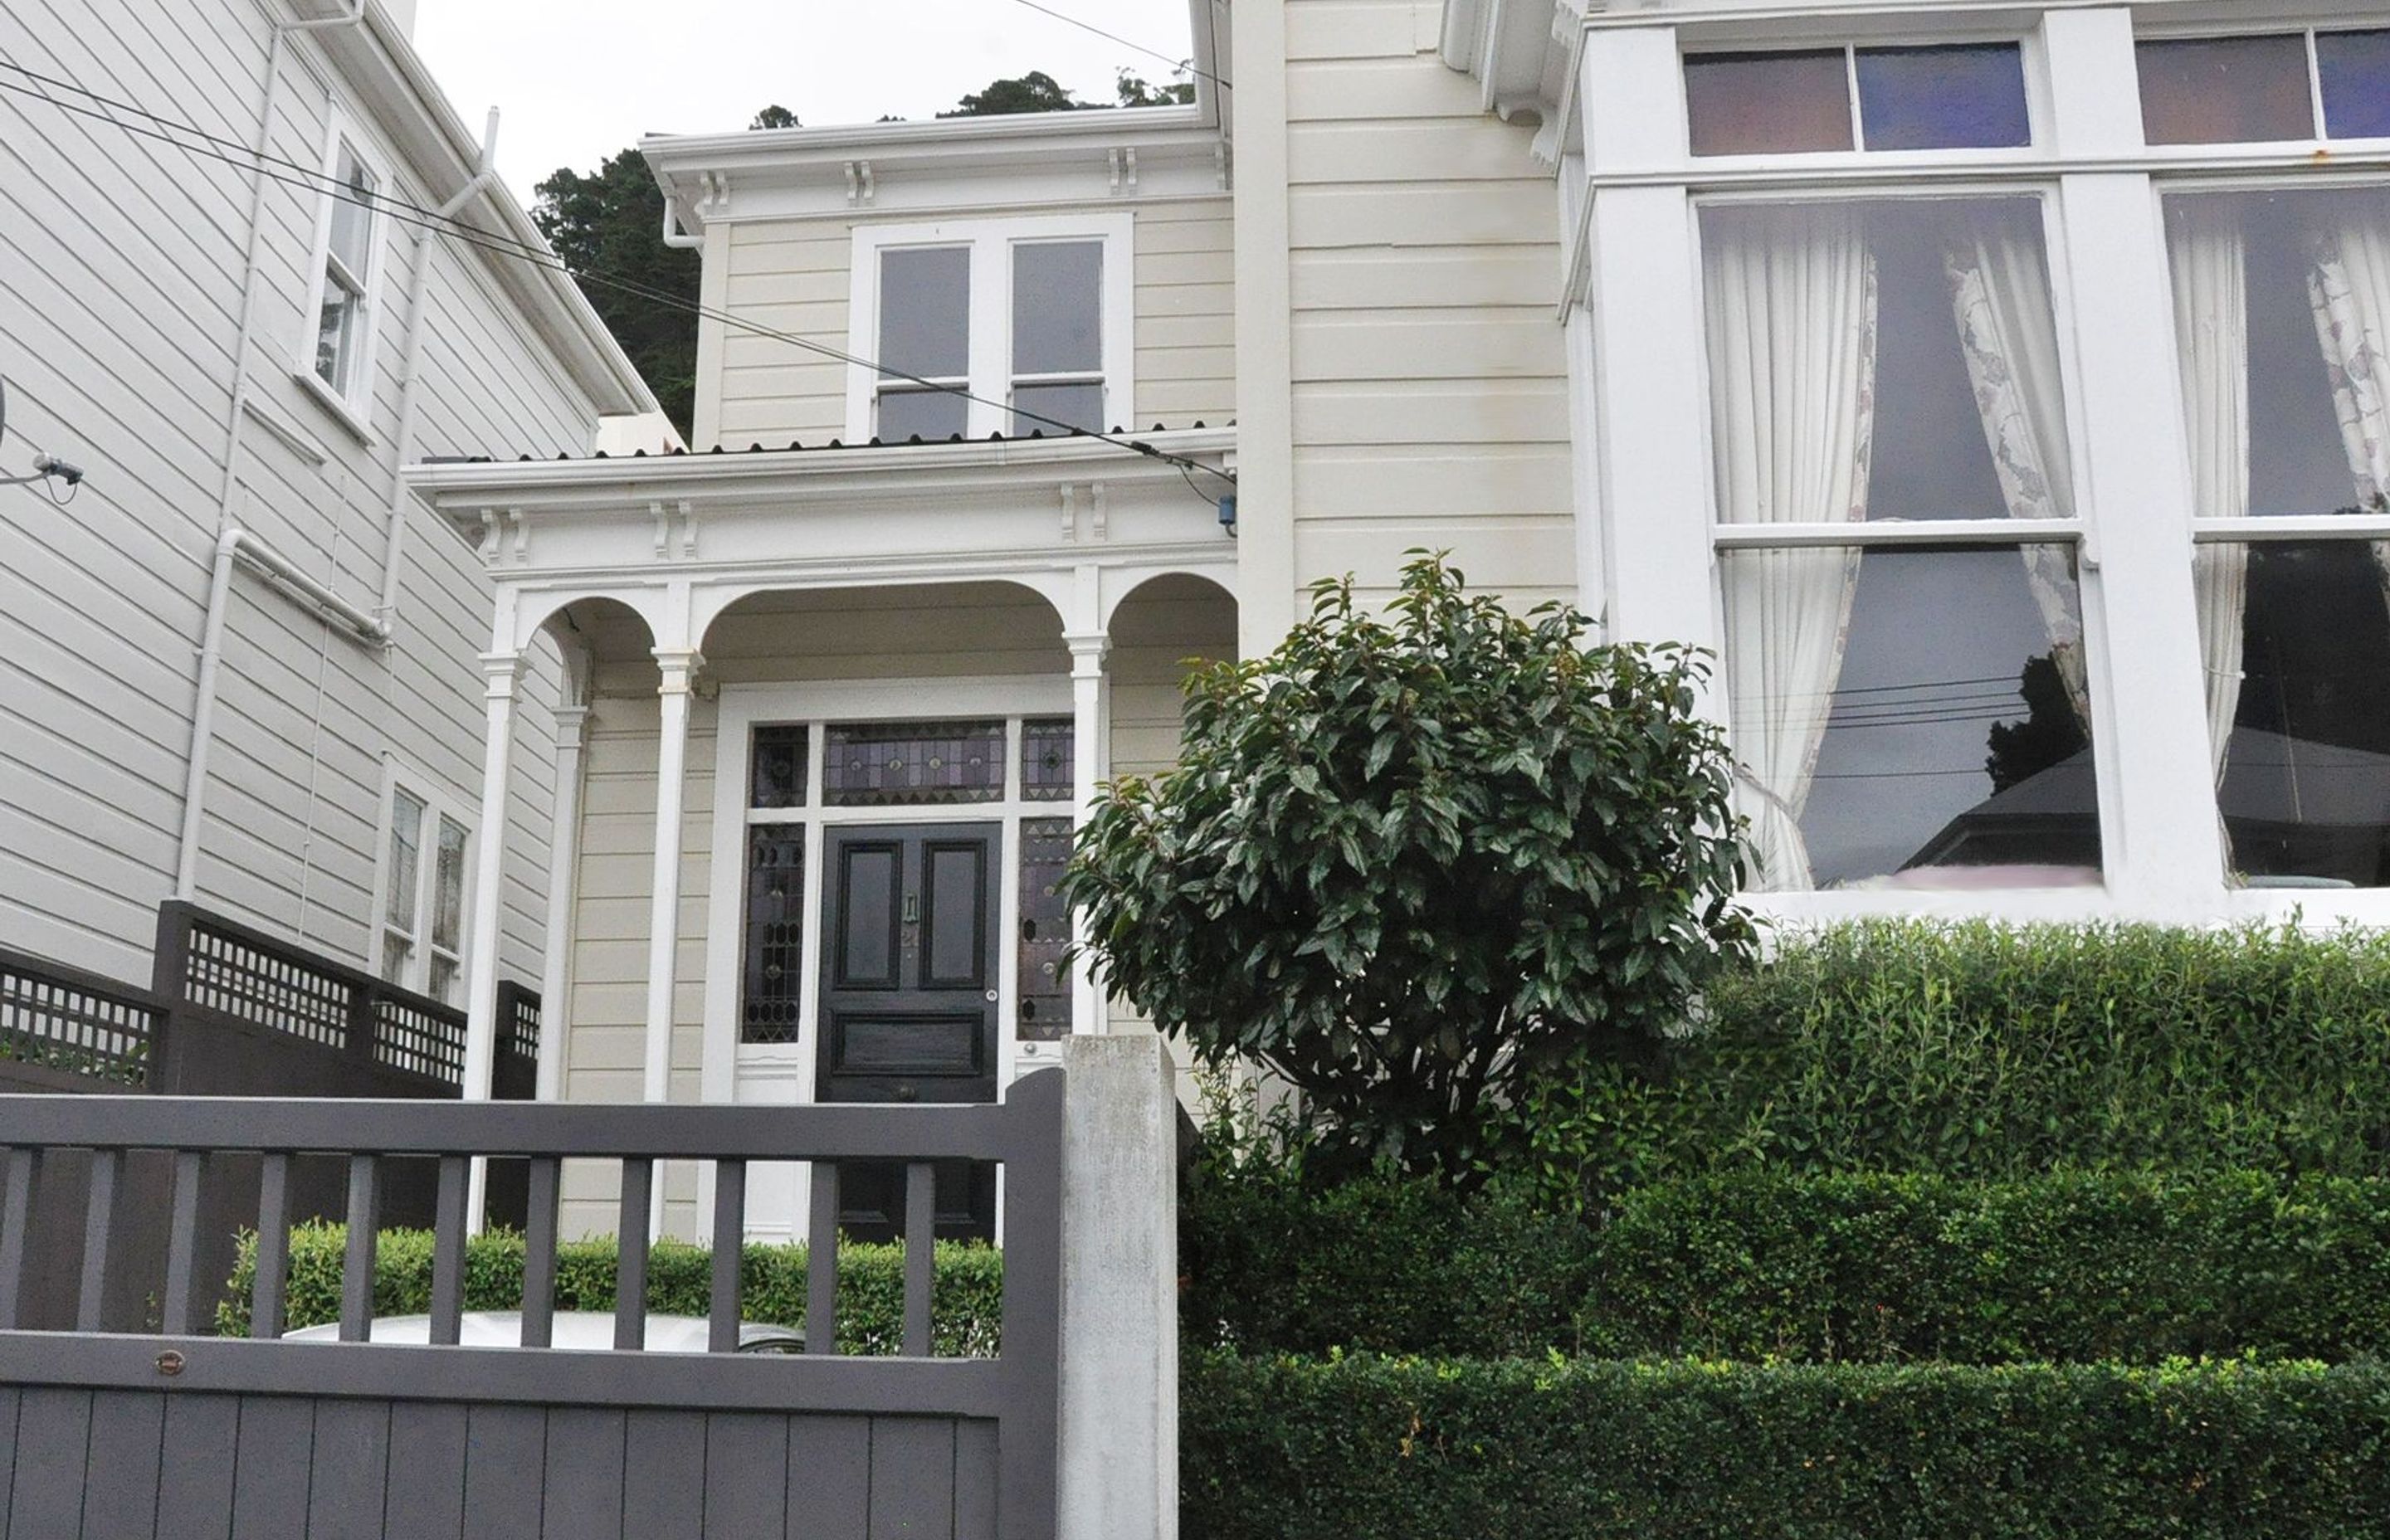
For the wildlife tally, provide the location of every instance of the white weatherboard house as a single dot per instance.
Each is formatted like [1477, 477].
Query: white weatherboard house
[2001, 389]
[238, 667]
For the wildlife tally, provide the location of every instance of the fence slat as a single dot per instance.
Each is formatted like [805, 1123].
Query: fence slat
[448, 1253]
[539, 1252]
[99, 1221]
[821, 1261]
[357, 1269]
[729, 1238]
[920, 1253]
[16, 1229]
[268, 1295]
[182, 1242]
[631, 1251]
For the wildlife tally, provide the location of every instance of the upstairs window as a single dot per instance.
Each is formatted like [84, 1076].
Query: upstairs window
[1016, 327]
[341, 308]
[1961, 96]
[2266, 88]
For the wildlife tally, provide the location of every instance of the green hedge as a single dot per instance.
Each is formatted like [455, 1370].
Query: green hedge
[2069, 1268]
[1988, 1051]
[1410, 1450]
[966, 1297]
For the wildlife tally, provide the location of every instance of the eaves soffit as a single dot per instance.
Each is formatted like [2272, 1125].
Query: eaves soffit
[1101, 155]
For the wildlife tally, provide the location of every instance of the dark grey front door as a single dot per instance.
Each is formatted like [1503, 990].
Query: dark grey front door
[908, 999]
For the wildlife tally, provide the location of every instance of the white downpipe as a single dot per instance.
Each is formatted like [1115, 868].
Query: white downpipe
[419, 284]
[238, 546]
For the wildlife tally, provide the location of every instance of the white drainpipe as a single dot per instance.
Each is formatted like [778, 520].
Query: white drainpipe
[419, 285]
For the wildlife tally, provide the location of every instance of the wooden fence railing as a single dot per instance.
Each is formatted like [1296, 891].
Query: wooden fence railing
[912, 1444]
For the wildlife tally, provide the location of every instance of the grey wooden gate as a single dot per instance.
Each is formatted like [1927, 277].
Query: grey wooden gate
[173, 1434]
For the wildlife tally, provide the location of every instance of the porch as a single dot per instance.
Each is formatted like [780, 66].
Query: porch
[833, 716]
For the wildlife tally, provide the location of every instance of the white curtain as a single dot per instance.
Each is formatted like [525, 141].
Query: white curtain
[2208, 253]
[2008, 329]
[1792, 301]
[2349, 289]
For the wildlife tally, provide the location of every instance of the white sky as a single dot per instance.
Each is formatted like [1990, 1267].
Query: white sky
[579, 81]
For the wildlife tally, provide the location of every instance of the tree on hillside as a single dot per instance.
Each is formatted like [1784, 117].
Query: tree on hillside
[609, 221]
[776, 116]
[1135, 92]
[1035, 92]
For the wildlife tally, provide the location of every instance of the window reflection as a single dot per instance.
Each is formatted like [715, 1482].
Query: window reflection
[1947, 746]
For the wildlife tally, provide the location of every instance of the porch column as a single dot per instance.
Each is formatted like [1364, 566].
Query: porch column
[563, 883]
[1088, 650]
[500, 673]
[677, 665]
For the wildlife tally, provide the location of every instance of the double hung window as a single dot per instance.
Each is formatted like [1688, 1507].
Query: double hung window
[421, 936]
[1896, 530]
[341, 312]
[2282, 304]
[1016, 327]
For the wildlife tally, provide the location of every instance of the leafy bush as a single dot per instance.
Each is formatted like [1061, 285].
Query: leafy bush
[965, 1295]
[1410, 863]
[1358, 1449]
[2069, 1268]
[1988, 1051]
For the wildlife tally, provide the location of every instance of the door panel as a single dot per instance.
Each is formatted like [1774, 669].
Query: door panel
[907, 1006]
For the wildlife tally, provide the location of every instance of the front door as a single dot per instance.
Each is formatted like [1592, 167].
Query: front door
[908, 999]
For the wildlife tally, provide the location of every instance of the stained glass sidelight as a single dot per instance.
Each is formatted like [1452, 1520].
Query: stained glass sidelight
[888, 763]
[778, 776]
[1047, 772]
[1045, 988]
[775, 933]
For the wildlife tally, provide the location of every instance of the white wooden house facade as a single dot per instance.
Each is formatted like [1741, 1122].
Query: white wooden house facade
[1996, 388]
[238, 666]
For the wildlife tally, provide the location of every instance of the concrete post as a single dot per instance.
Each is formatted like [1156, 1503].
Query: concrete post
[1120, 1291]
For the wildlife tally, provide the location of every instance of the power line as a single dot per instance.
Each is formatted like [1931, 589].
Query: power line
[312, 180]
[1187, 65]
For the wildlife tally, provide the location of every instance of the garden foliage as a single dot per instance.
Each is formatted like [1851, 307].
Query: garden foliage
[1988, 1051]
[965, 1295]
[1411, 862]
[1380, 1449]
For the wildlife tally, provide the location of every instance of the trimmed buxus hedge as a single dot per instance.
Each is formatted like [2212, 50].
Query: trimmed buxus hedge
[966, 1298]
[1380, 1449]
[2135, 1266]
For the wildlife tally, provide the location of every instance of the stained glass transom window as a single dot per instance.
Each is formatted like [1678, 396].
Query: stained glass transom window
[775, 933]
[1047, 772]
[879, 764]
[778, 776]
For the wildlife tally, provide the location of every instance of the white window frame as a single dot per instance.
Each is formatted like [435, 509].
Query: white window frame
[350, 401]
[991, 243]
[438, 807]
[2102, 187]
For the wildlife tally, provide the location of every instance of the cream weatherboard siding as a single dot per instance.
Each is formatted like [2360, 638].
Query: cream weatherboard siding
[794, 276]
[122, 266]
[1427, 388]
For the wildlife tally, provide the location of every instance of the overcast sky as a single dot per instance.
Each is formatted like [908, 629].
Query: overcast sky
[579, 81]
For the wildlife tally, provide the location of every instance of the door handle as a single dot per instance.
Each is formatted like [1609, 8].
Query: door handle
[912, 908]
[907, 1093]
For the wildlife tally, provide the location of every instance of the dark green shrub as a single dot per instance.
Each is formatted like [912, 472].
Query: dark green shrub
[1417, 856]
[1988, 1051]
[966, 1297]
[1360, 1449]
[2071, 1267]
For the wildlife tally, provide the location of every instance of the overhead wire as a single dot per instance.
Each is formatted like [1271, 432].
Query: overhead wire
[315, 180]
[1185, 65]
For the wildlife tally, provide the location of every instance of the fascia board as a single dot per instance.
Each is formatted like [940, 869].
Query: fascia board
[398, 94]
[462, 491]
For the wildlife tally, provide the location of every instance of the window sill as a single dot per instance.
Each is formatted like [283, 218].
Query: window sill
[336, 405]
